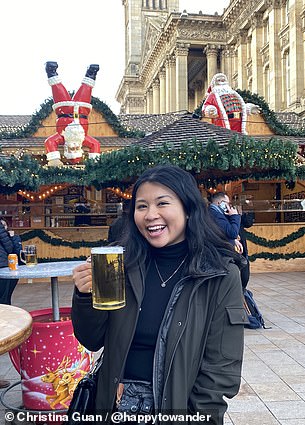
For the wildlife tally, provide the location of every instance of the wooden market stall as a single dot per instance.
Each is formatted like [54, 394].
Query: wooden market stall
[75, 217]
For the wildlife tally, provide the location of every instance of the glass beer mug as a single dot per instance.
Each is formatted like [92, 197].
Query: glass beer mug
[29, 255]
[108, 280]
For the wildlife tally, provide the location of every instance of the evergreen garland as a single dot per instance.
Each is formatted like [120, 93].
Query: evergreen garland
[276, 256]
[257, 240]
[270, 117]
[58, 241]
[210, 163]
[53, 260]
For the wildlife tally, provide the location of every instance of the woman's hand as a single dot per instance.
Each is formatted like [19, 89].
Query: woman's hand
[82, 277]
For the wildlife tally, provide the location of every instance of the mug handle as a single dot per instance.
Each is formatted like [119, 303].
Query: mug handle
[21, 253]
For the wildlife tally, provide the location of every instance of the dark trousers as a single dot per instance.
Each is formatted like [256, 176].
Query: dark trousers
[245, 275]
[7, 287]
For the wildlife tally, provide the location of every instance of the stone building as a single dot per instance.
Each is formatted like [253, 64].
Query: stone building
[171, 56]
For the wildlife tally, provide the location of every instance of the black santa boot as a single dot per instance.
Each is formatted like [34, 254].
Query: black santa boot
[92, 70]
[51, 68]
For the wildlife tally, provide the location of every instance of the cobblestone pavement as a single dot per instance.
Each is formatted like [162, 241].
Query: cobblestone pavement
[273, 376]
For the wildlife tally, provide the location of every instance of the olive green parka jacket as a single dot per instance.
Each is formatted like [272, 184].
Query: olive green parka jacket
[199, 352]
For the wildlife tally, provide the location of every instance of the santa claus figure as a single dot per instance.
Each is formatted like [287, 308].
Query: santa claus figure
[226, 107]
[72, 118]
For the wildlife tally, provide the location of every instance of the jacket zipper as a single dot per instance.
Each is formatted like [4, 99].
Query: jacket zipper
[155, 365]
[156, 354]
[133, 332]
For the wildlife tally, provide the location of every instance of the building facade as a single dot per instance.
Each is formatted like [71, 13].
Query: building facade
[171, 56]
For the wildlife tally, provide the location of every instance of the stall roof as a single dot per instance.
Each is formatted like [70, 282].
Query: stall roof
[291, 119]
[170, 128]
[147, 122]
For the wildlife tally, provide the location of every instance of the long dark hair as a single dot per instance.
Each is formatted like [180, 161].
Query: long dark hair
[205, 240]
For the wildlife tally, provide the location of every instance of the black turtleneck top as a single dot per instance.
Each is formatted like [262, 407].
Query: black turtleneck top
[139, 364]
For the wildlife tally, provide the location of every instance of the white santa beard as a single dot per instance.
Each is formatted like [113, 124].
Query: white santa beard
[223, 89]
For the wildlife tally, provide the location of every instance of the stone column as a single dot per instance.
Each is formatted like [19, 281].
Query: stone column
[167, 85]
[296, 54]
[226, 67]
[284, 79]
[211, 52]
[172, 78]
[181, 77]
[275, 86]
[162, 78]
[256, 43]
[302, 15]
[156, 96]
[149, 101]
[242, 59]
[145, 103]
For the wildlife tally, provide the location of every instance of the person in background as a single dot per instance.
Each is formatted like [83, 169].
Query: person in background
[177, 345]
[118, 226]
[9, 244]
[82, 207]
[227, 218]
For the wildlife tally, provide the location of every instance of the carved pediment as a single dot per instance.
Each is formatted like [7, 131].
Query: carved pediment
[207, 31]
[154, 28]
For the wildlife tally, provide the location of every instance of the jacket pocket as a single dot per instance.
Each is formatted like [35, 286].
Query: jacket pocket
[232, 338]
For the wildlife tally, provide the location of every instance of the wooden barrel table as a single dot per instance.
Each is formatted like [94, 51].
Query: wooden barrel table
[15, 327]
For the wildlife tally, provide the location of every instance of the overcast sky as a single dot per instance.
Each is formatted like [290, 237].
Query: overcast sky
[75, 34]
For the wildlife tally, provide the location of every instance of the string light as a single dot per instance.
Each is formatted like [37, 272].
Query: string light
[39, 196]
[117, 191]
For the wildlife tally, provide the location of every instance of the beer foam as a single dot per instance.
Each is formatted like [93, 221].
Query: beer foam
[108, 250]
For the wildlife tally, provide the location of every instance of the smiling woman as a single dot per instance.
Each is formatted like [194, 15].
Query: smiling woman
[181, 331]
[159, 215]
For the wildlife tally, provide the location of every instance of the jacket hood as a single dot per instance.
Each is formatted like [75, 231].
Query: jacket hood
[233, 257]
[228, 256]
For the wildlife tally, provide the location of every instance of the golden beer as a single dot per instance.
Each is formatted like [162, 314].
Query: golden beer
[31, 259]
[29, 255]
[108, 280]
